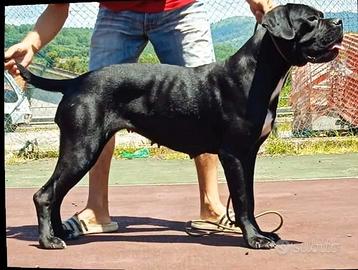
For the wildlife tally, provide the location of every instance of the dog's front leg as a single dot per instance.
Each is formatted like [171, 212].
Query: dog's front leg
[239, 175]
[248, 164]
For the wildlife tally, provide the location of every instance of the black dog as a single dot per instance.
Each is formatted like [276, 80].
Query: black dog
[223, 108]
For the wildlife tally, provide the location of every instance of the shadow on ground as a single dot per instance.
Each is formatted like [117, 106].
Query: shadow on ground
[142, 229]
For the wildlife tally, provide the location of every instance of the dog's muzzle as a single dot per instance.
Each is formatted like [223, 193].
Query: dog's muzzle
[331, 42]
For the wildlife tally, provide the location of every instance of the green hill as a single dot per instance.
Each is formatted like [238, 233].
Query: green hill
[70, 49]
[234, 30]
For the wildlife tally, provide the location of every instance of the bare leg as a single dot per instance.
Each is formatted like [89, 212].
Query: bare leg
[96, 210]
[211, 208]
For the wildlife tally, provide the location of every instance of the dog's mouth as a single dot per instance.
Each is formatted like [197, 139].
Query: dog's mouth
[336, 46]
[327, 54]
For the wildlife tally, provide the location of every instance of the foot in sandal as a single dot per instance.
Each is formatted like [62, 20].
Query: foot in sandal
[202, 227]
[77, 226]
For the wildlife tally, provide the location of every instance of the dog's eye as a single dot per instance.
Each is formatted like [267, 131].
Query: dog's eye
[312, 18]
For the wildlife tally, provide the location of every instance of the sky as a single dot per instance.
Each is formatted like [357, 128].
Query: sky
[84, 14]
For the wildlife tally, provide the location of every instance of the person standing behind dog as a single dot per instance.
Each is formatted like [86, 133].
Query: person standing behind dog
[180, 34]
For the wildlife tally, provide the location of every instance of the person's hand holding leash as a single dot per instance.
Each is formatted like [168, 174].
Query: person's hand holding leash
[260, 7]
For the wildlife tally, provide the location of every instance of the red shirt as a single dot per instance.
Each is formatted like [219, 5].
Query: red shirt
[146, 5]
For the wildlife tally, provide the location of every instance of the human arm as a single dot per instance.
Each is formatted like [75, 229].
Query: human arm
[46, 28]
[260, 7]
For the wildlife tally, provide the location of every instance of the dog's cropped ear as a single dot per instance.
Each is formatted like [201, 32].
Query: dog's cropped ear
[277, 22]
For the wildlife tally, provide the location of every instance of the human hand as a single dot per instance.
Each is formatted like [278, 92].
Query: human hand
[260, 7]
[19, 53]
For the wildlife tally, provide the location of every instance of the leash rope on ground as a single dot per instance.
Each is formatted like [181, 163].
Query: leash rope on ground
[218, 227]
[257, 216]
[268, 212]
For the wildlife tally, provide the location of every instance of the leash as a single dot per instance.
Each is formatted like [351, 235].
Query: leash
[278, 49]
[219, 227]
[257, 216]
[274, 43]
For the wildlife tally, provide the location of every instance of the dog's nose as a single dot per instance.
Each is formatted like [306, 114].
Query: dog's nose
[337, 21]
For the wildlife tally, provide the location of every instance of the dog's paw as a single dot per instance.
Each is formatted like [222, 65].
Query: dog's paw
[52, 243]
[273, 236]
[260, 242]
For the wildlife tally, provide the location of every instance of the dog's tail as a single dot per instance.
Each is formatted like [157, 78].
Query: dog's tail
[43, 83]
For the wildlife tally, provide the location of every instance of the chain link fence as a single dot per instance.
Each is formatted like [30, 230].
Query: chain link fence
[232, 24]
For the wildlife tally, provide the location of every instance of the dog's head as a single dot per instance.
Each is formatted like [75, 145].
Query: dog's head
[310, 37]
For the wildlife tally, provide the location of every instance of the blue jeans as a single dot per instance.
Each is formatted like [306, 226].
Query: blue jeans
[179, 37]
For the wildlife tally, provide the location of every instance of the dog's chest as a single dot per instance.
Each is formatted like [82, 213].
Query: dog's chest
[267, 127]
[270, 116]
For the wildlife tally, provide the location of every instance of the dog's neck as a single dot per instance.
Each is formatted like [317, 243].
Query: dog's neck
[261, 48]
[261, 52]
[279, 49]
[270, 69]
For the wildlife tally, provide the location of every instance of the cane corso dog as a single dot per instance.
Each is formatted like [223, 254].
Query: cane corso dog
[223, 108]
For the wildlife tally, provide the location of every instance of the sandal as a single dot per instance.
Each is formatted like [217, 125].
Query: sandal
[205, 227]
[223, 224]
[76, 227]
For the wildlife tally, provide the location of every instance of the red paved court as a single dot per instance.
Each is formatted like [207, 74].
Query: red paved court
[320, 230]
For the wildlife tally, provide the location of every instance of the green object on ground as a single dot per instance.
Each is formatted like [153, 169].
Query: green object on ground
[140, 153]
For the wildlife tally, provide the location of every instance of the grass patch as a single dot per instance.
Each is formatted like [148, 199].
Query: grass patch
[272, 147]
[34, 128]
[277, 146]
[20, 157]
[311, 146]
[284, 126]
[329, 146]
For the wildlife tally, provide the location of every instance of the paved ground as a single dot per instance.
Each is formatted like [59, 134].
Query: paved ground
[320, 229]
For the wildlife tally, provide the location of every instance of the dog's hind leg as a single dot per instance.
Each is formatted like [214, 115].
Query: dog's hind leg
[79, 150]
